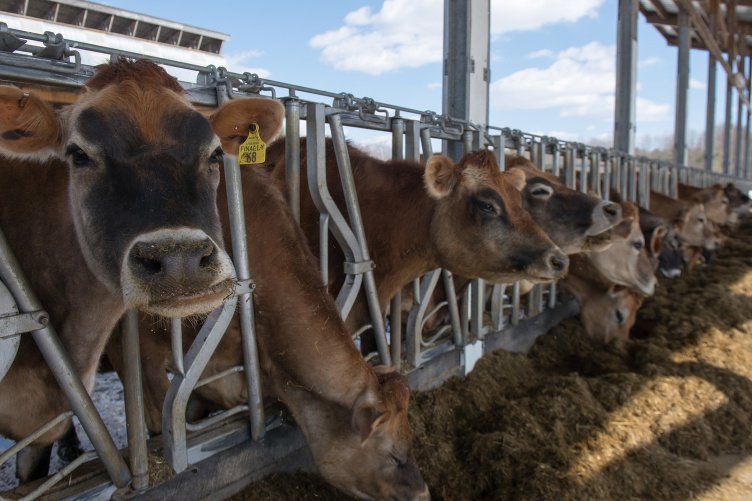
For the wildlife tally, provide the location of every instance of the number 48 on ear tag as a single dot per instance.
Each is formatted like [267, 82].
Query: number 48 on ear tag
[253, 149]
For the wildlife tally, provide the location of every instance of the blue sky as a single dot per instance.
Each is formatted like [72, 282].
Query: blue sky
[552, 62]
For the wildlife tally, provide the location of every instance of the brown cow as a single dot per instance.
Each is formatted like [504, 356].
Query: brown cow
[713, 198]
[607, 310]
[466, 218]
[109, 203]
[573, 220]
[354, 417]
[626, 261]
[688, 217]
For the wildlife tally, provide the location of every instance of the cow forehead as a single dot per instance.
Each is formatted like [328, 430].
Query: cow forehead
[124, 115]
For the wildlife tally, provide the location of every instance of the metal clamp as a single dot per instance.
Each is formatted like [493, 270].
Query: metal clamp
[358, 268]
[12, 325]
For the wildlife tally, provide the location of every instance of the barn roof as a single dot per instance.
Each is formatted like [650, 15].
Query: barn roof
[722, 27]
[100, 17]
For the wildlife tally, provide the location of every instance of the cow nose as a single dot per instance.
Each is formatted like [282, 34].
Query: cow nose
[176, 267]
[612, 211]
[559, 262]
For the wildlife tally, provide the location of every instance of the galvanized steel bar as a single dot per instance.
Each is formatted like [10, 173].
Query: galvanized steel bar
[176, 400]
[176, 338]
[626, 71]
[331, 217]
[57, 358]
[356, 224]
[138, 455]
[606, 195]
[727, 128]
[555, 158]
[425, 143]
[739, 128]
[584, 170]
[515, 304]
[412, 140]
[292, 155]
[682, 89]
[477, 305]
[235, 202]
[395, 309]
[595, 171]
[415, 319]
[570, 156]
[710, 106]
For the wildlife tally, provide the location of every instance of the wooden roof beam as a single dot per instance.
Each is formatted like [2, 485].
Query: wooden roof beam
[659, 8]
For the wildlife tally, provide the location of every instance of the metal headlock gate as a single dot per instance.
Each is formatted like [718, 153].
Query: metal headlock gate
[228, 451]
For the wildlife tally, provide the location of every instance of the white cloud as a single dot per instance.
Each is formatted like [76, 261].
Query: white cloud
[648, 111]
[579, 83]
[236, 62]
[531, 15]
[403, 34]
[541, 53]
[434, 85]
[408, 33]
[696, 84]
[650, 61]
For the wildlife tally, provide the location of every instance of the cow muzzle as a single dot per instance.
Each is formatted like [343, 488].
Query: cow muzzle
[176, 273]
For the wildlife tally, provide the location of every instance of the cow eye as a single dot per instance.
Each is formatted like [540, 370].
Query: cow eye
[638, 245]
[216, 156]
[78, 156]
[540, 191]
[619, 317]
[397, 461]
[484, 206]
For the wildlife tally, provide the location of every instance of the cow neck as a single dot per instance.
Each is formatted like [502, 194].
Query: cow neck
[302, 339]
[397, 213]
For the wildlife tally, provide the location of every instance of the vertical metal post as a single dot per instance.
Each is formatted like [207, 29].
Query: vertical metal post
[412, 140]
[292, 155]
[138, 456]
[727, 127]
[626, 71]
[607, 178]
[745, 164]
[595, 171]
[584, 170]
[467, 29]
[682, 89]
[632, 180]
[245, 301]
[425, 143]
[356, 223]
[395, 309]
[710, 109]
[478, 303]
[555, 158]
[570, 158]
[739, 128]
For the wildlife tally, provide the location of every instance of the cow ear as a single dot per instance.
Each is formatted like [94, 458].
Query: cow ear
[366, 419]
[441, 176]
[656, 240]
[516, 177]
[231, 121]
[29, 127]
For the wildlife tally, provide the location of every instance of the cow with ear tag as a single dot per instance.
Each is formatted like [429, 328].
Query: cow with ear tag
[108, 203]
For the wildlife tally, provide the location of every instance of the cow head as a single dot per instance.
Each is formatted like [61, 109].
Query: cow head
[610, 316]
[626, 261]
[571, 218]
[143, 175]
[691, 225]
[372, 458]
[715, 202]
[480, 227]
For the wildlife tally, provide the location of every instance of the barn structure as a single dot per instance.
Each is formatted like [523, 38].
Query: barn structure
[49, 47]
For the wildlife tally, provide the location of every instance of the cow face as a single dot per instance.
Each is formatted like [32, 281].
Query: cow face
[716, 203]
[374, 459]
[692, 225]
[610, 316]
[480, 227]
[626, 261]
[573, 220]
[144, 170]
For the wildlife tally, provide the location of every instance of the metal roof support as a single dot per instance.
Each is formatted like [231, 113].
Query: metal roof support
[739, 129]
[710, 110]
[467, 29]
[626, 71]
[682, 87]
[727, 129]
[745, 167]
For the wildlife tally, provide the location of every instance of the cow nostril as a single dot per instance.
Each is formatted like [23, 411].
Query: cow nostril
[208, 256]
[559, 263]
[146, 257]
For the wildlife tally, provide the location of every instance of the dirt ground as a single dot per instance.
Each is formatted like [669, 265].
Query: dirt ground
[665, 415]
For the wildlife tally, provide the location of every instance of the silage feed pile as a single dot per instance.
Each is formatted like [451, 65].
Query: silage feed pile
[663, 416]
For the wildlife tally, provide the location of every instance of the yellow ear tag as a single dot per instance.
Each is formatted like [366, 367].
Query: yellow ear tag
[253, 149]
